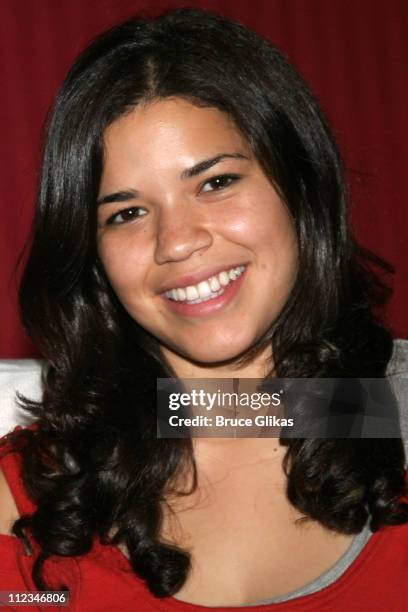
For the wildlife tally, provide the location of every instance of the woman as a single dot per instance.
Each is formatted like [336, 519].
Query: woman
[192, 223]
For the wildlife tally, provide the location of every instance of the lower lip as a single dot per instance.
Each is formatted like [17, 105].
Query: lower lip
[210, 306]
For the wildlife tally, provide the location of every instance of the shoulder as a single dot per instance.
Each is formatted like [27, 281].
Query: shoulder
[8, 473]
[8, 508]
[14, 499]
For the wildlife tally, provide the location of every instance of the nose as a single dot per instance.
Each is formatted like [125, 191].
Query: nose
[180, 233]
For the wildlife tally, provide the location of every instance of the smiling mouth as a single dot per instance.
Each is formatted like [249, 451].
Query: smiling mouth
[206, 290]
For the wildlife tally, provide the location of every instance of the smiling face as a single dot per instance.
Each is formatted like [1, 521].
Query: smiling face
[194, 239]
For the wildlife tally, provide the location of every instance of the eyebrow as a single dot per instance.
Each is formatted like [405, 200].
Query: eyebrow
[119, 196]
[202, 166]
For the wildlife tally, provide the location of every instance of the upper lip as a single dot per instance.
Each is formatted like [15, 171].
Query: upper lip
[196, 277]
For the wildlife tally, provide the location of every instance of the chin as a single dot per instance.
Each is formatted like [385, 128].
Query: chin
[213, 353]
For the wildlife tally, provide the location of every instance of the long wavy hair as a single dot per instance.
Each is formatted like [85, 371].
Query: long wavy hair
[93, 465]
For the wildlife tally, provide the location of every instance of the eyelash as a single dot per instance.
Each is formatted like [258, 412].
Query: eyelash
[229, 178]
[112, 219]
[232, 178]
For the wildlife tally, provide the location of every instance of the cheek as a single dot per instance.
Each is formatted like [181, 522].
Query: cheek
[124, 263]
[263, 223]
[281, 252]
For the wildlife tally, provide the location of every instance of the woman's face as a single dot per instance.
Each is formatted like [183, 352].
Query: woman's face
[195, 241]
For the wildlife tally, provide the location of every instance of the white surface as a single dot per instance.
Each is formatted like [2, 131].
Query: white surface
[24, 376]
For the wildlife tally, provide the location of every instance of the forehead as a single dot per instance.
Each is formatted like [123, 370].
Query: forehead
[169, 133]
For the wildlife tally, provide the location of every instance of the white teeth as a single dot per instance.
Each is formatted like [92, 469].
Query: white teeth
[214, 284]
[205, 290]
[224, 279]
[210, 297]
[181, 294]
[191, 293]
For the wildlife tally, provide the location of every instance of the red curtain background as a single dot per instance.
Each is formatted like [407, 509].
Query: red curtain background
[352, 52]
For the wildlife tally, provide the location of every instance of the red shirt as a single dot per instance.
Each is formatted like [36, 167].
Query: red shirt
[102, 580]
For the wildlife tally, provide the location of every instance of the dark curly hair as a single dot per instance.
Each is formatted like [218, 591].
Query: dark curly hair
[94, 465]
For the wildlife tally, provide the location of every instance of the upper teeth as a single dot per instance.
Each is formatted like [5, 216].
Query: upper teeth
[206, 289]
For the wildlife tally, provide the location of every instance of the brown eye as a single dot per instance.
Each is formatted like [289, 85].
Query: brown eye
[126, 215]
[219, 182]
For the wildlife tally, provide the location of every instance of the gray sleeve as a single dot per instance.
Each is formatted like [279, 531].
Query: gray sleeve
[397, 373]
